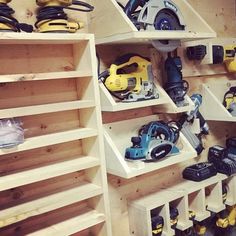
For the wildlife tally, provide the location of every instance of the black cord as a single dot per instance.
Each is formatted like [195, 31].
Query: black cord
[57, 12]
[6, 18]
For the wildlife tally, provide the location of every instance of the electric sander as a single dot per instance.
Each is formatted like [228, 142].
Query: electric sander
[52, 18]
[8, 23]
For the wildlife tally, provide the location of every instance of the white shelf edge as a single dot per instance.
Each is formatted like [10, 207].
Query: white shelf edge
[200, 216]
[51, 139]
[46, 172]
[71, 226]
[217, 111]
[183, 225]
[45, 108]
[214, 208]
[44, 76]
[48, 203]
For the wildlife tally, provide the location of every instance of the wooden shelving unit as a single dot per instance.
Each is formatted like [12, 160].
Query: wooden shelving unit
[117, 137]
[125, 32]
[186, 195]
[49, 82]
[213, 95]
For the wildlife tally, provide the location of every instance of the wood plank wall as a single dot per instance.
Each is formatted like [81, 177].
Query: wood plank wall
[220, 14]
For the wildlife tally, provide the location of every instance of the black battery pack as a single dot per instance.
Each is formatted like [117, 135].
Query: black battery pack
[199, 172]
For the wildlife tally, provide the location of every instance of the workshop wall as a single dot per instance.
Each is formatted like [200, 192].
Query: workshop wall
[222, 18]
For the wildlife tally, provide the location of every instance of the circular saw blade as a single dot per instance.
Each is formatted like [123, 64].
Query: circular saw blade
[167, 20]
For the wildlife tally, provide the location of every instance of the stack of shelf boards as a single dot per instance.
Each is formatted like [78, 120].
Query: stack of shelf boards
[212, 107]
[185, 196]
[122, 30]
[117, 137]
[49, 82]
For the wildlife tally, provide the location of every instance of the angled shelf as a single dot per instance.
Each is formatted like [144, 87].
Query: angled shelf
[48, 203]
[185, 195]
[163, 104]
[109, 103]
[86, 220]
[47, 172]
[126, 32]
[212, 107]
[117, 137]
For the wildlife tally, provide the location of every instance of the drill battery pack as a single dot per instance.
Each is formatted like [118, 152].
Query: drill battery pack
[199, 172]
[223, 159]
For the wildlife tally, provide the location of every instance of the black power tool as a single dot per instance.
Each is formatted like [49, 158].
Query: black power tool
[175, 86]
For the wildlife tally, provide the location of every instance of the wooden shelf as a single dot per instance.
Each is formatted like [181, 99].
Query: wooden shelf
[71, 226]
[50, 82]
[212, 105]
[46, 108]
[184, 196]
[39, 38]
[50, 139]
[117, 138]
[44, 76]
[126, 32]
[109, 103]
[46, 172]
[48, 203]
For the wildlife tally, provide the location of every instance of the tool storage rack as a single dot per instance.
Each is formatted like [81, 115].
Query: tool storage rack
[55, 182]
[117, 136]
[201, 197]
[121, 30]
[124, 32]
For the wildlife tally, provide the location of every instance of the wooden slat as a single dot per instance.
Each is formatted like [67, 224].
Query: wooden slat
[39, 38]
[44, 76]
[51, 139]
[46, 172]
[46, 108]
[73, 225]
[48, 203]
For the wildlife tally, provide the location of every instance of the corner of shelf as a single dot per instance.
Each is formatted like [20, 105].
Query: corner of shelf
[212, 107]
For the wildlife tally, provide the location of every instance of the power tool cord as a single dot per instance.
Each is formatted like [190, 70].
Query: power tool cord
[57, 12]
[6, 18]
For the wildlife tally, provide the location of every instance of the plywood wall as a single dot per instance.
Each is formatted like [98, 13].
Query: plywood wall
[221, 17]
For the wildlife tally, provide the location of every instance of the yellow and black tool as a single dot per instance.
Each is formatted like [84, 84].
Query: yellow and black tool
[52, 18]
[130, 79]
[8, 22]
[225, 54]
[229, 100]
[157, 225]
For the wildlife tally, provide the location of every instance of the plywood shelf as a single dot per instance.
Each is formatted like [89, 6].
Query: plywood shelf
[45, 76]
[117, 138]
[184, 196]
[144, 37]
[109, 103]
[68, 227]
[46, 172]
[48, 203]
[39, 38]
[126, 32]
[47, 108]
[50, 139]
[212, 107]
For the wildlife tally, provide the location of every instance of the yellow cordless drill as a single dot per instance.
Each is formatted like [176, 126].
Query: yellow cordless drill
[8, 22]
[52, 18]
[225, 54]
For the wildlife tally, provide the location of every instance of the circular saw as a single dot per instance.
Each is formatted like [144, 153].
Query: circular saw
[162, 15]
[156, 15]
